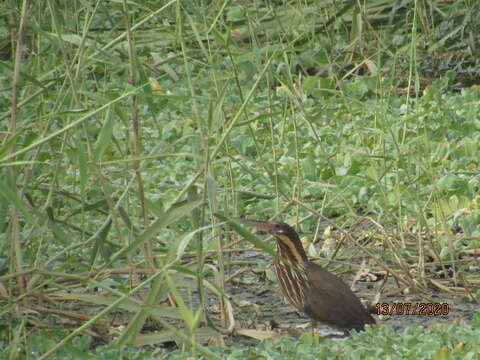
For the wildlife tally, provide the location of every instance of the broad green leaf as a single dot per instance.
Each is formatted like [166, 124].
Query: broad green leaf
[104, 137]
[446, 182]
[175, 213]
[11, 197]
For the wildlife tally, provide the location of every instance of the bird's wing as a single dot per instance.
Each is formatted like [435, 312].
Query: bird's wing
[331, 301]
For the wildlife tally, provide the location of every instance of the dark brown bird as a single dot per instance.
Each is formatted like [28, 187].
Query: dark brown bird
[321, 295]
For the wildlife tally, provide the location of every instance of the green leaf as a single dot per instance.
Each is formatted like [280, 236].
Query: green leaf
[212, 193]
[446, 182]
[104, 137]
[10, 142]
[172, 215]
[101, 236]
[11, 197]
[318, 86]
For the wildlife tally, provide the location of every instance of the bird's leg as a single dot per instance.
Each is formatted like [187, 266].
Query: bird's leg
[313, 323]
[315, 335]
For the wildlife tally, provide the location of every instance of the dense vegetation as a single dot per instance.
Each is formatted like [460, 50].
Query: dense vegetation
[132, 131]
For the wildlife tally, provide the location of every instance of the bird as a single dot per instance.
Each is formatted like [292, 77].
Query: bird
[321, 295]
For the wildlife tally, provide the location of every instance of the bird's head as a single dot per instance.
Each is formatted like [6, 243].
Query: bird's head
[288, 241]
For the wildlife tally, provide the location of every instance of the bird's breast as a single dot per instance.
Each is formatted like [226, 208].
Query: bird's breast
[293, 283]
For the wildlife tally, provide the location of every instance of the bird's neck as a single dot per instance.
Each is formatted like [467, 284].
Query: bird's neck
[292, 250]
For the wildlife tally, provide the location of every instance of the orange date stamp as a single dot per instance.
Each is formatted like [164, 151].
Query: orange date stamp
[421, 309]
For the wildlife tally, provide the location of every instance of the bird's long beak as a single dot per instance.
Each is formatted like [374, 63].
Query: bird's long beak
[265, 225]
